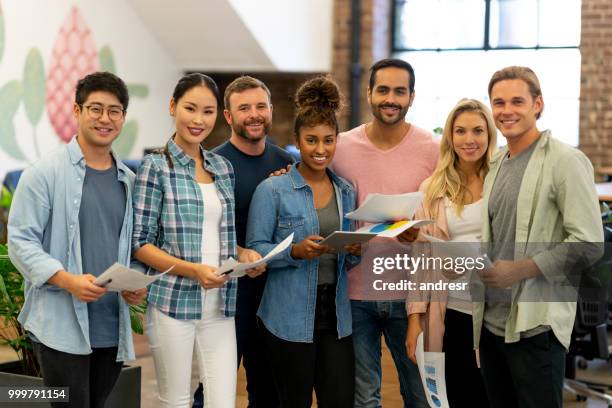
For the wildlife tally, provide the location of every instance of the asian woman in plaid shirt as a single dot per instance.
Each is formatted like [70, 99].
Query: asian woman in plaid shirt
[184, 217]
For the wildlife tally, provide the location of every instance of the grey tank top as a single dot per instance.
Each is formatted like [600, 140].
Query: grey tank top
[329, 221]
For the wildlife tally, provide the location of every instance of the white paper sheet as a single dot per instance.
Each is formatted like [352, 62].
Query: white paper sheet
[384, 207]
[431, 369]
[235, 269]
[338, 239]
[119, 277]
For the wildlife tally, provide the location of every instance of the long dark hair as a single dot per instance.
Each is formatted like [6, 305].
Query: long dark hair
[184, 84]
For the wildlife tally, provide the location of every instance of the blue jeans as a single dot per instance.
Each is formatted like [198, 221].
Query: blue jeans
[370, 320]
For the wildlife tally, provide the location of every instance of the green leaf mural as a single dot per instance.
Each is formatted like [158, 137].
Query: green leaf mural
[10, 97]
[138, 90]
[107, 61]
[1, 32]
[8, 143]
[124, 144]
[34, 86]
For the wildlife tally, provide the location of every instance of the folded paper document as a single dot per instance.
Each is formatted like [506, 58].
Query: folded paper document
[384, 207]
[338, 239]
[235, 269]
[118, 278]
[431, 369]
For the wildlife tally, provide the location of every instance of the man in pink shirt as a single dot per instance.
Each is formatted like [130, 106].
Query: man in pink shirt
[391, 156]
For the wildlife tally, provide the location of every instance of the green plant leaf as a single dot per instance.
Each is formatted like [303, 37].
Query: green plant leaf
[127, 139]
[1, 32]
[5, 296]
[136, 314]
[107, 61]
[6, 198]
[34, 86]
[138, 90]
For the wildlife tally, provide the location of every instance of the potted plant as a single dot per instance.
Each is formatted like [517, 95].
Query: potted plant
[25, 370]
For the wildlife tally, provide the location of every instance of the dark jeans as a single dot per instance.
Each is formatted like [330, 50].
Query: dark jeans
[526, 374]
[464, 384]
[326, 364]
[90, 378]
[249, 341]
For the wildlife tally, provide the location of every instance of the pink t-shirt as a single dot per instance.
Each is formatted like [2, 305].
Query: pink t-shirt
[399, 170]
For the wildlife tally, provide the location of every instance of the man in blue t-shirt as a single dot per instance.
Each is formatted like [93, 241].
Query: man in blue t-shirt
[70, 220]
[248, 111]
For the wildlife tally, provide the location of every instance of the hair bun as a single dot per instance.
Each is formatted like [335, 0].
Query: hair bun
[320, 94]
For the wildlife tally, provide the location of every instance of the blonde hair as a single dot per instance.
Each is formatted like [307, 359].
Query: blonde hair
[447, 179]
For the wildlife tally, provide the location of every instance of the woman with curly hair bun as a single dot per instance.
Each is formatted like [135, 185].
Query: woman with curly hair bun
[305, 309]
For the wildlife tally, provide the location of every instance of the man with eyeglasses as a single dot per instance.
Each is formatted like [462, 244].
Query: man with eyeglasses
[70, 220]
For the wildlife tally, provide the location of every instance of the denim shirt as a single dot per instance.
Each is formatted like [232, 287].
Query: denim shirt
[43, 238]
[282, 205]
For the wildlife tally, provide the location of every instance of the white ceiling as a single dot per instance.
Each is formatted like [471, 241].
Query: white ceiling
[242, 35]
[202, 35]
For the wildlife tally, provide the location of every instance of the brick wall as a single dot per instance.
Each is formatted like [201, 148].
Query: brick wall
[596, 75]
[375, 44]
[282, 87]
[596, 82]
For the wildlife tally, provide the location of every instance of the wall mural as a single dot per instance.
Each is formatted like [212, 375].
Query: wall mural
[74, 55]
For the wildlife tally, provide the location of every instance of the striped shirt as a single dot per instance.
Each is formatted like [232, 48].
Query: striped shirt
[169, 213]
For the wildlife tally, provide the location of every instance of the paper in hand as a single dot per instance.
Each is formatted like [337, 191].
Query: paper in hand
[118, 278]
[236, 269]
[431, 370]
[385, 207]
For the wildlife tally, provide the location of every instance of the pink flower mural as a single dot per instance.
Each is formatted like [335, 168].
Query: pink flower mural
[74, 55]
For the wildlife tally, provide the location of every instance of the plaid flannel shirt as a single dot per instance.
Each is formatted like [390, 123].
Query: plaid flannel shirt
[169, 213]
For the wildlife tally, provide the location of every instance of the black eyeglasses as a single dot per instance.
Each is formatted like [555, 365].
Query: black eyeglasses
[96, 111]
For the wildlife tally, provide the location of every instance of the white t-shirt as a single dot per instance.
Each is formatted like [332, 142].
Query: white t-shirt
[211, 247]
[464, 228]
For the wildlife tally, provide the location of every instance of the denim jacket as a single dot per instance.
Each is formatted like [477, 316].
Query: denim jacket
[43, 238]
[282, 205]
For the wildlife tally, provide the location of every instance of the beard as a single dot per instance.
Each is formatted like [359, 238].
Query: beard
[241, 130]
[376, 111]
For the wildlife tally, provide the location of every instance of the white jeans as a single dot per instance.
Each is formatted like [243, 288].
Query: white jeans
[172, 343]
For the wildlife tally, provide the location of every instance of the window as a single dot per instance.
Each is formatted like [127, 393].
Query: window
[456, 45]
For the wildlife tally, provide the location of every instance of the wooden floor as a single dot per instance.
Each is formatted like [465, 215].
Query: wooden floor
[390, 388]
[597, 371]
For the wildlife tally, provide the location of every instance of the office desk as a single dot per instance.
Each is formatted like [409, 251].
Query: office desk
[604, 191]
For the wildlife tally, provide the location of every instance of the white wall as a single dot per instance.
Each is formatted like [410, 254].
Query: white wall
[242, 35]
[113, 23]
[296, 35]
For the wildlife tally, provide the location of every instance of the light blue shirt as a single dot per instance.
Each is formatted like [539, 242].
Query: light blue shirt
[43, 238]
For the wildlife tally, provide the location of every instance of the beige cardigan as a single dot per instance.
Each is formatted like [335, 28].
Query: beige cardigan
[433, 312]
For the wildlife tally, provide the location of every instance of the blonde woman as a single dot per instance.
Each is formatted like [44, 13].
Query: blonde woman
[453, 199]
